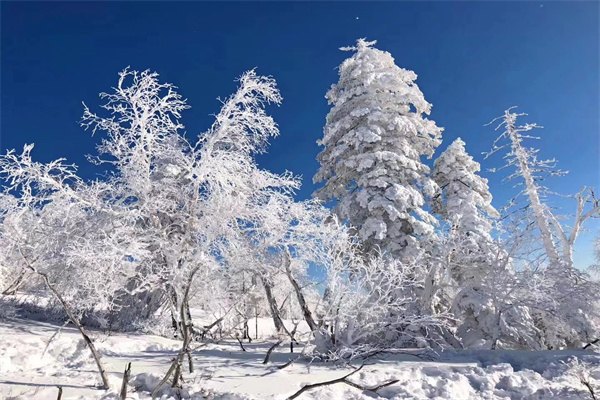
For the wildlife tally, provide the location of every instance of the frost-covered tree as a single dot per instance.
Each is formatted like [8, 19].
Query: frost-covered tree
[464, 251]
[58, 229]
[168, 213]
[464, 201]
[557, 240]
[374, 138]
[566, 314]
[371, 305]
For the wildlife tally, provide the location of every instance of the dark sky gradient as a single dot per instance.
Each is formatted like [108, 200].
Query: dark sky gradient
[474, 59]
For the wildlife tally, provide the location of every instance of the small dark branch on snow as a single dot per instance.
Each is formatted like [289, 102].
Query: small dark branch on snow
[266, 360]
[372, 388]
[593, 342]
[287, 364]
[241, 344]
[344, 379]
[126, 375]
[59, 397]
[325, 383]
[589, 387]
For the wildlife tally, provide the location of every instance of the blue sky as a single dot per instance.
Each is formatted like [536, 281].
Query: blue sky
[474, 59]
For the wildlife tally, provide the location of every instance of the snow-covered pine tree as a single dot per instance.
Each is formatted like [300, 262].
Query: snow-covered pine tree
[464, 201]
[468, 253]
[374, 138]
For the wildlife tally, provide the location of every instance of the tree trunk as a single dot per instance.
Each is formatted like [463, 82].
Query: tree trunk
[15, 285]
[273, 307]
[323, 340]
[186, 331]
[74, 320]
[86, 338]
[531, 190]
[300, 296]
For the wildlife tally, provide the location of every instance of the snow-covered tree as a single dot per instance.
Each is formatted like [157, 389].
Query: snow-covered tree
[569, 296]
[371, 305]
[57, 228]
[374, 138]
[466, 251]
[464, 201]
[169, 211]
[557, 241]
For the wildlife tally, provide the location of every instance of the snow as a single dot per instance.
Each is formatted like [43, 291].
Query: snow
[223, 371]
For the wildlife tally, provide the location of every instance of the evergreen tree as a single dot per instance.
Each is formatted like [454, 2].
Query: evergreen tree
[464, 201]
[374, 138]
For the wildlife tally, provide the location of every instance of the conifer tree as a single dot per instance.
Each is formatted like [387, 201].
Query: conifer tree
[464, 201]
[374, 138]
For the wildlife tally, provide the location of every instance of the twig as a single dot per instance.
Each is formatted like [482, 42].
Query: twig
[59, 397]
[287, 364]
[331, 382]
[54, 335]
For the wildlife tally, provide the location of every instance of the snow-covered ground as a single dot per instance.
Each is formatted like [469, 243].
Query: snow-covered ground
[32, 369]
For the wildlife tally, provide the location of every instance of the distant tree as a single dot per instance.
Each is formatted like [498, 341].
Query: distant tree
[374, 138]
[464, 201]
[466, 251]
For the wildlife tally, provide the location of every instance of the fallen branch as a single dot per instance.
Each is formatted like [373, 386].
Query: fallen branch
[287, 364]
[593, 342]
[344, 379]
[325, 383]
[372, 388]
[59, 397]
[266, 360]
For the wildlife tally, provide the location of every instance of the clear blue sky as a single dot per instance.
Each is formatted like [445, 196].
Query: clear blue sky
[474, 59]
